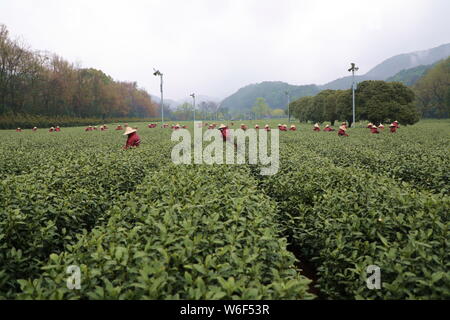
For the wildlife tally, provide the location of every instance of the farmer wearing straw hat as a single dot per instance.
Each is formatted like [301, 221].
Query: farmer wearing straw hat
[316, 127]
[18, 130]
[342, 131]
[374, 129]
[381, 126]
[256, 126]
[244, 127]
[393, 127]
[58, 129]
[51, 129]
[369, 125]
[293, 128]
[226, 134]
[34, 129]
[133, 139]
[266, 127]
[280, 126]
[119, 127]
[328, 128]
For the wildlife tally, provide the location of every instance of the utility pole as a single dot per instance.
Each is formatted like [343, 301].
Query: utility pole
[158, 73]
[193, 97]
[289, 103]
[353, 69]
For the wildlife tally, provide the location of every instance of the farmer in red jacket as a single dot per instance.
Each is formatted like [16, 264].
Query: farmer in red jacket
[316, 127]
[342, 131]
[51, 129]
[374, 129]
[244, 127]
[133, 139]
[381, 126]
[393, 128]
[34, 129]
[226, 134]
[256, 126]
[266, 127]
[328, 128]
[293, 128]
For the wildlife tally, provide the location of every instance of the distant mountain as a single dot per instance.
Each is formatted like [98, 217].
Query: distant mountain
[410, 76]
[406, 68]
[172, 103]
[394, 65]
[198, 99]
[274, 93]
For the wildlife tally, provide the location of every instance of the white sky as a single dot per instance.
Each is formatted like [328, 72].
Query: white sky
[214, 47]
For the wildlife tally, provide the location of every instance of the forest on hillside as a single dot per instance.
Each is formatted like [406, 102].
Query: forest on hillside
[41, 83]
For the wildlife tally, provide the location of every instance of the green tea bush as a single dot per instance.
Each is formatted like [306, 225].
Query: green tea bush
[185, 233]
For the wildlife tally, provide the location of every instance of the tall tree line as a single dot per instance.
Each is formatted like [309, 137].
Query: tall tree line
[41, 83]
[376, 101]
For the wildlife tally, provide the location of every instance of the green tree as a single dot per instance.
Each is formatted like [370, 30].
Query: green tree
[433, 91]
[261, 108]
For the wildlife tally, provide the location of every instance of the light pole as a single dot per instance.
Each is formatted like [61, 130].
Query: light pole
[158, 73]
[193, 97]
[289, 102]
[353, 69]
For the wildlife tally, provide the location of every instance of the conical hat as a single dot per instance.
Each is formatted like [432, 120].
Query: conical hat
[222, 126]
[129, 130]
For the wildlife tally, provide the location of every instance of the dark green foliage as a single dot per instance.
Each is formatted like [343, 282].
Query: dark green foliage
[273, 92]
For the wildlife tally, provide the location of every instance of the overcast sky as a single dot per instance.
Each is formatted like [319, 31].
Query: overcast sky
[214, 47]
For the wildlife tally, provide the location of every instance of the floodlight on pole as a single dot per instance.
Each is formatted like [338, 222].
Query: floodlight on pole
[353, 69]
[158, 73]
[193, 97]
[289, 103]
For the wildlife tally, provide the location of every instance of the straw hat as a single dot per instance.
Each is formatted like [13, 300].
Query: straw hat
[293, 126]
[129, 130]
[266, 126]
[327, 126]
[222, 126]
[316, 125]
[279, 124]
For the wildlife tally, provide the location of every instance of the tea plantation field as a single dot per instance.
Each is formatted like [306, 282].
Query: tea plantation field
[140, 227]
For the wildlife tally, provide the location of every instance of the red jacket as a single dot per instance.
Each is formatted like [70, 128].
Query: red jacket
[132, 141]
[225, 133]
[374, 130]
[342, 133]
[327, 129]
[316, 129]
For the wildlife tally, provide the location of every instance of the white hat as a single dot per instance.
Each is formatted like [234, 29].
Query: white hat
[222, 126]
[293, 126]
[129, 130]
[279, 124]
[266, 126]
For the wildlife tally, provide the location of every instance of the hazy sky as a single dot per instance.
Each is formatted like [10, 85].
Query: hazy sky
[214, 47]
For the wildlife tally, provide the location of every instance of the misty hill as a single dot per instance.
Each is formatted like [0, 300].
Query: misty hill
[407, 68]
[272, 91]
[410, 76]
[394, 65]
[172, 103]
[198, 99]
